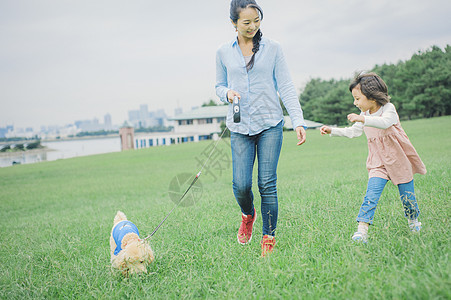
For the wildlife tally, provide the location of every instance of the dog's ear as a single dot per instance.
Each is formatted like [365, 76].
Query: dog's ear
[150, 254]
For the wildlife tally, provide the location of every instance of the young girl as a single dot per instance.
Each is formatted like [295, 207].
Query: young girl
[391, 156]
[253, 69]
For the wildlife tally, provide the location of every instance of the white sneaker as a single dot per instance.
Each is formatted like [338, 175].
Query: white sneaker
[362, 233]
[414, 225]
[360, 237]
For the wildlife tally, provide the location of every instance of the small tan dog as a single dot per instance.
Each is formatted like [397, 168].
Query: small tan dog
[129, 253]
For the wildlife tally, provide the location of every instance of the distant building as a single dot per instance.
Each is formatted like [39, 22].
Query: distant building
[89, 125]
[159, 118]
[178, 111]
[3, 132]
[202, 121]
[107, 122]
[142, 118]
[153, 139]
[126, 133]
[94, 125]
[12, 132]
[208, 119]
[67, 131]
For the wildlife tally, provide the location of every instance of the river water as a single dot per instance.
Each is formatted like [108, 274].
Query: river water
[61, 150]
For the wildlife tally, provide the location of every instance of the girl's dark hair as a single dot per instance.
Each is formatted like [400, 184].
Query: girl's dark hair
[236, 6]
[372, 86]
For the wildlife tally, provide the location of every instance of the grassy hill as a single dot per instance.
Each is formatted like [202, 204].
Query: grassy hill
[56, 219]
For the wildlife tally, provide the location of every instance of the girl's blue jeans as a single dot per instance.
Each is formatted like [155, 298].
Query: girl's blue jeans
[373, 193]
[266, 146]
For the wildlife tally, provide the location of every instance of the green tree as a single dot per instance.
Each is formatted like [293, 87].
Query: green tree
[211, 103]
[419, 88]
[327, 101]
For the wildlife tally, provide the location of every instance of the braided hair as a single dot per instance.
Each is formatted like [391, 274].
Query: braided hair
[236, 6]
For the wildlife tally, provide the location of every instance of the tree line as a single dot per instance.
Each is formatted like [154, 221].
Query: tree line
[21, 146]
[419, 88]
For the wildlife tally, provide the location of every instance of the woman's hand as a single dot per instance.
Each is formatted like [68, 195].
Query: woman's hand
[231, 94]
[356, 118]
[300, 131]
[325, 130]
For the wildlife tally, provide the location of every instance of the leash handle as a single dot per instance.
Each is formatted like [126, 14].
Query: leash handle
[236, 110]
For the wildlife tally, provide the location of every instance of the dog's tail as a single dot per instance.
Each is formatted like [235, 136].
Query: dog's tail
[120, 216]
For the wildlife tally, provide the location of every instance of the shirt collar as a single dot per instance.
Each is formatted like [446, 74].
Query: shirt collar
[235, 42]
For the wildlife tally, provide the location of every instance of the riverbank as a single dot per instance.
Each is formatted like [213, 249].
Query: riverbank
[12, 154]
[61, 149]
[77, 138]
[60, 139]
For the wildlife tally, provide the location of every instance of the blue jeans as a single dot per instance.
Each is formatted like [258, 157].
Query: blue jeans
[373, 193]
[266, 145]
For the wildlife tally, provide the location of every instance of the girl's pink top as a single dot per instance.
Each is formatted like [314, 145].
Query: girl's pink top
[391, 155]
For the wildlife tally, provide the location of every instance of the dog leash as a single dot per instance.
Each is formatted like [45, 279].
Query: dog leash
[192, 183]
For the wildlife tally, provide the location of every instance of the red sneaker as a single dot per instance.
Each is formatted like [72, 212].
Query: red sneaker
[245, 231]
[268, 242]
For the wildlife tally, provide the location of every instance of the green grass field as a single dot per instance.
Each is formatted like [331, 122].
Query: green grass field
[56, 219]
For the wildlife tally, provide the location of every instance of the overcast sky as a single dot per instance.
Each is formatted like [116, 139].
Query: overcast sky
[62, 60]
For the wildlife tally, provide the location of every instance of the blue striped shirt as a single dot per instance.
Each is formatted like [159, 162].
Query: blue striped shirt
[259, 88]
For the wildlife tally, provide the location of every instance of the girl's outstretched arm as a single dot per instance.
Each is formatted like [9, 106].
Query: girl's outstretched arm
[355, 130]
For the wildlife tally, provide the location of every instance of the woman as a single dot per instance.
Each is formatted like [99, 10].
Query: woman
[253, 69]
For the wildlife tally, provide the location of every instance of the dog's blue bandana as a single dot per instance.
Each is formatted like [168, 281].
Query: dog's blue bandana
[120, 230]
